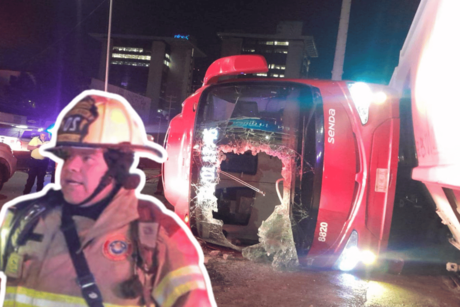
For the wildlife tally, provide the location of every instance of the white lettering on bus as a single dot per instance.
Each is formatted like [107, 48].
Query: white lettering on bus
[208, 174]
[322, 232]
[331, 129]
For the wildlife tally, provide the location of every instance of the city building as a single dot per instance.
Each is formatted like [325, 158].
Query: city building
[160, 68]
[287, 52]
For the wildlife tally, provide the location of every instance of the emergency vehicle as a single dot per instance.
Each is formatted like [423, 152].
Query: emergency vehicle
[329, 149]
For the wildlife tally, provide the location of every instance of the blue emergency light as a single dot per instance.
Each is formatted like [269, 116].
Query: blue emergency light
[50, 129]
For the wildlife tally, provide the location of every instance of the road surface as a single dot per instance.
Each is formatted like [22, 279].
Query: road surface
[417, 237]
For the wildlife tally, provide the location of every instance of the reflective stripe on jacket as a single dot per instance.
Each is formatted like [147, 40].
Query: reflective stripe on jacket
[18, 296]
[49, 279]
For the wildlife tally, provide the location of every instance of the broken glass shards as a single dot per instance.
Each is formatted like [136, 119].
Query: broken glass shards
[275, 233]
[262, 139]
[208, 228]
[276, 241]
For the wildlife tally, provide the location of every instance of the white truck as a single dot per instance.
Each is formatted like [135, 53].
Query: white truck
[427, 80]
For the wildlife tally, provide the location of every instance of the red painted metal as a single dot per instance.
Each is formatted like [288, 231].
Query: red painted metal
[349, 199]
[176, 171]
[235, 65]
[345, 201]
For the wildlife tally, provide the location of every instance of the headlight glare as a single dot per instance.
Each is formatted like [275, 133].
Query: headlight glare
[362, 97]
[368, 257]
[350, 255]
[380, 97]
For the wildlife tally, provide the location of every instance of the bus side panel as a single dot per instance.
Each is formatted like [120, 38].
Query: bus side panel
[176, 172]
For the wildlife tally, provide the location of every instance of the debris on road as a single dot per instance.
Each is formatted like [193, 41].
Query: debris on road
[214, 253]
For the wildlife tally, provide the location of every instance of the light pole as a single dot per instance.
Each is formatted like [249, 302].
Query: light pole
[341, 45]
[159, 126]
[108, 49]
[171, 97]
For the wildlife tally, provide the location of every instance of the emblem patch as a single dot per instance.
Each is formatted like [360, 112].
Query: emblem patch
[117, 248]
[75, 125]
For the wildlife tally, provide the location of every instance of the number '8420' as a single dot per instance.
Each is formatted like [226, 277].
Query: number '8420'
[322, 232]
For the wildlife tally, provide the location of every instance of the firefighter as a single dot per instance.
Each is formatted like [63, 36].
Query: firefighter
[93, 242]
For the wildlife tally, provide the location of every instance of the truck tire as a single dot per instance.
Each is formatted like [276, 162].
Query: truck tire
[3, 175]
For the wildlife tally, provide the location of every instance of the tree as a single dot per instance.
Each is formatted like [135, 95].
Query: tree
[20, 95]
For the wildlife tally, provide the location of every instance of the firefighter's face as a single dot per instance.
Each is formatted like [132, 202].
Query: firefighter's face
[81, 173]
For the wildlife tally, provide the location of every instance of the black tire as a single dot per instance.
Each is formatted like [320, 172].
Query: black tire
[2, 176]
[4, 173]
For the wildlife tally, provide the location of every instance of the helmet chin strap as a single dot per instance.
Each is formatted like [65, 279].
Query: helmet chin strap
[118, 173]
[105, 181]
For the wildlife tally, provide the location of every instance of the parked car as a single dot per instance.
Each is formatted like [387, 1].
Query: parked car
[7, 163]
[10, 135]
[327, 151]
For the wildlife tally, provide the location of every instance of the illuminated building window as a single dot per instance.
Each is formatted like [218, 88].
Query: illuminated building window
[167, 60]
[265, 42]
[279, 67]
[130, 63]
[128, 49]
[282, 43]
[249, 50]
[274, 75]
[131, 56]
[281, 51]
[281, 76]
[271, 66]
[261, 75]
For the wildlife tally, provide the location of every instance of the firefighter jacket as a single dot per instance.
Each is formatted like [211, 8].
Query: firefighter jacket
[45, 275]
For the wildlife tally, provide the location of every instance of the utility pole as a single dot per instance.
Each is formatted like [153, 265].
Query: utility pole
[108, 49]
[158, 131]
[170, 97]
[340, 47]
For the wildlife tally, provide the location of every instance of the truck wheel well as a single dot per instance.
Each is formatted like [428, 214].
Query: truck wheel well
[407, 151]
[4, 170]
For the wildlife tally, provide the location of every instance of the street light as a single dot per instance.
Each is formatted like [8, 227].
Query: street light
[341, 44]
[108, 48]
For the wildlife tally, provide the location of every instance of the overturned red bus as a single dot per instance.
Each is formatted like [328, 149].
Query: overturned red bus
[323, 153]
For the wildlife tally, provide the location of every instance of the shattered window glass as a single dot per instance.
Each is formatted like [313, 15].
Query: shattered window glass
[256, 168]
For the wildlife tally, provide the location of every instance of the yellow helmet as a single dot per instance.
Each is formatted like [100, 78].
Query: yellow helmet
[98, 119]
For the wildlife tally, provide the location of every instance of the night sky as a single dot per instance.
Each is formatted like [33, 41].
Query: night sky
[51, 38]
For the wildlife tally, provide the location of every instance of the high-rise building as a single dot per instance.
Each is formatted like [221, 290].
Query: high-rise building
[160, 68]
[287, 52]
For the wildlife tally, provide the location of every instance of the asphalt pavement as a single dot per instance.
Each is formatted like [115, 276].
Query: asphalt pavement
[14, 187]
[418, 240]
